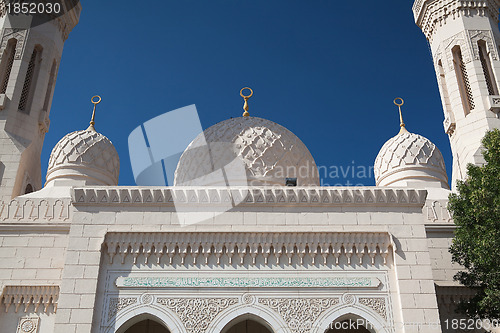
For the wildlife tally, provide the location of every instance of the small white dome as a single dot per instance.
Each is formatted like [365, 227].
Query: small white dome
[84, 155]
[409, 157]
[246, 151]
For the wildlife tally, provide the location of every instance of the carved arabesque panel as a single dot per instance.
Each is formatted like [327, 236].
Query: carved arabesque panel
[300, 313]
[375, 303]
[116, 304]
[197, 313]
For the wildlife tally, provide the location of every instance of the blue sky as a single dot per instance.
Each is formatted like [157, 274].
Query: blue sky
[327, 70]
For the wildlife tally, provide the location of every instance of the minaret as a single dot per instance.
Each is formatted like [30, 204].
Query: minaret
[30, 54]
[464, 40]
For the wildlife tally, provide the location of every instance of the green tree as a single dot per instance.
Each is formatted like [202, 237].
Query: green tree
[476, 246]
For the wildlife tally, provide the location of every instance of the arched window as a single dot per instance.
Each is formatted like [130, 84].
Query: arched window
[30, 80]
[487, 69]
[463, 80]
[28, 189]
[6, 64]
[50, 86]
[444, 87]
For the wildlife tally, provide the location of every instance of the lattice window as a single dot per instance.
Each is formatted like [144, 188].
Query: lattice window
[487, 70]
[30, 80]
[6, 65]
[50, 86]
[463, 80]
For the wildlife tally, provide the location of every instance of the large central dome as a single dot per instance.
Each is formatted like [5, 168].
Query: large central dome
[246, 151]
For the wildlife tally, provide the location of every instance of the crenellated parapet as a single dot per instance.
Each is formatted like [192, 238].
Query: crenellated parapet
[35, 210]
[248, 196]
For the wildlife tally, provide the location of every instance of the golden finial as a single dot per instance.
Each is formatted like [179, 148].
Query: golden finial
[245, 106]
[95, 102]
[401, 123]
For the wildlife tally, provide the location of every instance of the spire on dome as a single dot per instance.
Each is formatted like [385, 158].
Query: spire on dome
[401, 122]
[245, 106]
[92, 122]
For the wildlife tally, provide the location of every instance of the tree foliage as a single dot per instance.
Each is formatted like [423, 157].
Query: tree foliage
[476, 246]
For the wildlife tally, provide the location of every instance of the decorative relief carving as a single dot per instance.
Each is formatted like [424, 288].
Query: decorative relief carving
[116, 304]
[197, 313]
[485, 35]
[375, 303]
[146, 299]
[35, 209]
[243, 282]
[461, 40]
[247, 299]
[299, 313]
[28, 325]
[250, 247]
[437, 211]
[348, 299]
[449, 123]
[43, 122]
[210, 197]
[30, 295]
[434, 14]
[250, 148]
[18, 34]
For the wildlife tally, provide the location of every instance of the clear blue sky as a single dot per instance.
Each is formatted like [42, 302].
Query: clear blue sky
[327, 70]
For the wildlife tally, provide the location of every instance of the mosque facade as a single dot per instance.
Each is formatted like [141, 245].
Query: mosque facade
[243, 241]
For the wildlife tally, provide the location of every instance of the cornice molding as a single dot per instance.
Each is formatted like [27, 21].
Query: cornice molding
[30, 295]
[240, 248]
[247, 196]
[431, 13]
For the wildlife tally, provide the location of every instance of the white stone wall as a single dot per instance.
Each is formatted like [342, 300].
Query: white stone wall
[22, 133]
[410, 288]
[450, 23]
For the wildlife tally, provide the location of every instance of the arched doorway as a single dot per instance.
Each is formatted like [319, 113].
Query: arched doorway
[246, 324]
[147, 326]
[348, 326]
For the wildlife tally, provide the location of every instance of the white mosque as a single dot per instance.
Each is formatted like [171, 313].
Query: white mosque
[242, 243]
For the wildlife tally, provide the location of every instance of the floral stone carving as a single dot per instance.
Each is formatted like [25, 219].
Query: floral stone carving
[299, 314]
[197, 313]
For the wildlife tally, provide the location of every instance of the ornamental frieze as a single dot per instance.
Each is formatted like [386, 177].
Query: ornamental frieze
[242, 282]
[247, 196]
[244, 248]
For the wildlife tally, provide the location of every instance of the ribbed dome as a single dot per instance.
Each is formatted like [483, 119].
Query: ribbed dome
[84, 155]
[409, 157]
[246, 151]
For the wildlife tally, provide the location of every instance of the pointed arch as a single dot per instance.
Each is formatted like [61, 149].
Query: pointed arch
[247, 318]
[261, 315]
[375, 324]
[136, 315]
